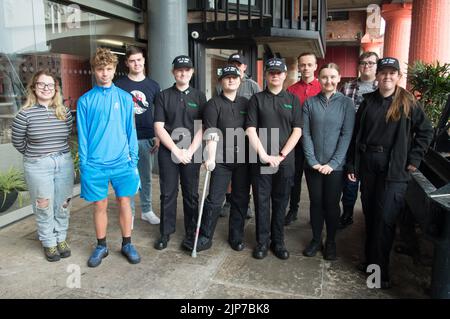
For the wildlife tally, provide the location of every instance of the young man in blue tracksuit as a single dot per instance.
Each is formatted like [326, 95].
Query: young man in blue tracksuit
[108, 151]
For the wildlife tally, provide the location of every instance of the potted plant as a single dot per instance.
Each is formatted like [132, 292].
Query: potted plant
[11, 183]
[430, 83]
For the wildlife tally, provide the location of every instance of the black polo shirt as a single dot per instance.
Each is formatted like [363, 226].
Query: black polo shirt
[222, 113]
[376, 130]
[269, 111]
[179, 109]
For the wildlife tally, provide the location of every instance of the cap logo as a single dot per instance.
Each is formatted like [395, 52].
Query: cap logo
[388, 61]
[183, 60]
[236, 56]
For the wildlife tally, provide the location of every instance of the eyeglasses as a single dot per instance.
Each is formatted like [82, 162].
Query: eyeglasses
[42, 85]
[370, 63]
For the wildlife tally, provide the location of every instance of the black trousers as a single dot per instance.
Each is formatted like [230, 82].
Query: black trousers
[296, 189]
[324, 195]
[270, 190]
[239, 176]
[170, 174]
[382, 202]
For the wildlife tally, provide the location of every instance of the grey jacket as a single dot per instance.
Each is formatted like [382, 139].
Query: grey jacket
[327, 129]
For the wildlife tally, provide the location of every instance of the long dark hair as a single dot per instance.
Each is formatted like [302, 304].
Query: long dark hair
[402, 101]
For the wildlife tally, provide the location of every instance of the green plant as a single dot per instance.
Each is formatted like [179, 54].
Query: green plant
[430, 83]
[11, 181]
[76, 159]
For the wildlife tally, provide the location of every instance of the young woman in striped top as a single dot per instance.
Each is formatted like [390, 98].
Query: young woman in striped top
[40, 131]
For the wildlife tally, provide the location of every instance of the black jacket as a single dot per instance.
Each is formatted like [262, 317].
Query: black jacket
[412, 139]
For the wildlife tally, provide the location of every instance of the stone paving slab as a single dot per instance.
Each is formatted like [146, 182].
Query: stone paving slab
[219, 272]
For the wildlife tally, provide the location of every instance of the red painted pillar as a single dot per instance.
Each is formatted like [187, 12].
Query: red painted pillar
[397, 33]
[430, 31]
[373, 45]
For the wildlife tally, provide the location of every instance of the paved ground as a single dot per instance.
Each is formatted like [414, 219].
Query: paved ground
[172, 273]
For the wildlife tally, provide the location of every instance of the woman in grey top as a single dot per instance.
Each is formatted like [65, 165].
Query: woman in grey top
[328, 119]
[41, 131]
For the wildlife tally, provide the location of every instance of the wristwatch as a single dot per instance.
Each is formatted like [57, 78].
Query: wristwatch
[282, 155]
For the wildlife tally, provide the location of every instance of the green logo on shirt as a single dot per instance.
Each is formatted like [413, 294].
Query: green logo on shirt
[193, 105]
[287, 106]
[243, 112]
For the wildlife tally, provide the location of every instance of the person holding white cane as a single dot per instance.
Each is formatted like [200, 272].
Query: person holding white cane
[224, 119]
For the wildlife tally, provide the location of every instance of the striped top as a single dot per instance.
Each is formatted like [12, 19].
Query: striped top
[37, 132]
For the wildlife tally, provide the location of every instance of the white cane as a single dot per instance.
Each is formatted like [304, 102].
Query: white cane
[213, 137]
[200, 213]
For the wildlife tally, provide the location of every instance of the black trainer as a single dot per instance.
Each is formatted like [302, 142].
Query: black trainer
[312, 249]
[161, 243]
[291, 216]
[63, 249]
[52, 254]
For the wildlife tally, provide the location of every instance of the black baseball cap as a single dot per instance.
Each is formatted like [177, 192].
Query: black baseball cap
[275, 64]
[229, 70]
[236, 57]
[388, 62]
[182, 61]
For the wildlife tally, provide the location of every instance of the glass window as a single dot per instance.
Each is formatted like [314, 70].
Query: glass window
[41, 34]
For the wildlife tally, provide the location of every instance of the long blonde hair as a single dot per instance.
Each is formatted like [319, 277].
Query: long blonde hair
[403, 100]
[56, 103]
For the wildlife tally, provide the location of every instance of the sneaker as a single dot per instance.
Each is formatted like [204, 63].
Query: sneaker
[64, 249]
[131, 254]
[99, 253]
[51, 253]
[151, 218]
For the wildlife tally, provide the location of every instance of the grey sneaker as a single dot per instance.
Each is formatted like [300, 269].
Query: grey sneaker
[51, 253]
[64, 249]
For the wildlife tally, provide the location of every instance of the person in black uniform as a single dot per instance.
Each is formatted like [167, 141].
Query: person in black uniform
[224, 116]
[176, 109]
[389, 141]
[273, 124]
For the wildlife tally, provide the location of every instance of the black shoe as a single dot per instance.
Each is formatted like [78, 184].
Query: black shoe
[203, 243]
[237, 246]
[385, 284]
[291, 216]
[312, 249]
[280, 251]
[344, 222]
[347, 217]
[329, 252]
[225, 210]
[161, 243]
[188, 243]
[260, 251]
[362, 267]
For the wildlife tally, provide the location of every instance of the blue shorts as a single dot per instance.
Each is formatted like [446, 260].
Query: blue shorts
[95, 181]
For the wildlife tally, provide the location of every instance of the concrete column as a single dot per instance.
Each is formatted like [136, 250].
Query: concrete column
[430, 31]
[397, 33]
[168, 37]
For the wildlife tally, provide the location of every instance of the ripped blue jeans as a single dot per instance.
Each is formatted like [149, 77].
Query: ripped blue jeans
[50, 183]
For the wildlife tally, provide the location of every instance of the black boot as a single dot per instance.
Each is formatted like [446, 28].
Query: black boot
[291, 216]
[346, 218]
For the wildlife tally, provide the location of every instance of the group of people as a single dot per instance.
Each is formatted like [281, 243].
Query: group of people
[373, 131]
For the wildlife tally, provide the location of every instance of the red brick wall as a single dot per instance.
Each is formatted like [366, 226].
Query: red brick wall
[76, 78]
[348, 30]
